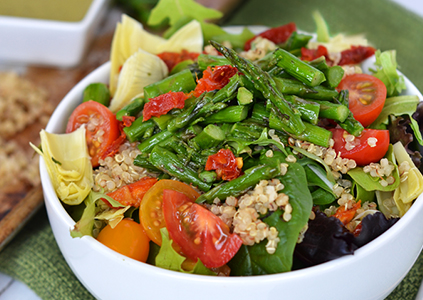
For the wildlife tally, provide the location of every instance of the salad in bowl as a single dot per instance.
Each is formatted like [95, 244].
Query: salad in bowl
[254, 153]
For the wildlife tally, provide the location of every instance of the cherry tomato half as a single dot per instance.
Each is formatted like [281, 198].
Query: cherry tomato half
[151, 214]
[132, 194]
[365, 150]
[367, 95]
[199, 233]
[102, 127]
[127, 238]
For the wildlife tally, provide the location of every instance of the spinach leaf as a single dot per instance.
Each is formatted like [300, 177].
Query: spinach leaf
[254, 260]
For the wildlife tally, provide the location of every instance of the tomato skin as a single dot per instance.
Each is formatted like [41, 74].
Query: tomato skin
[367, 95]
[355, 55]
[199, 233]
[171, 59]
[107, 122]
[277, 35]
[162, 104]
[127, 238]
[151, 214]
[214, 79]
[224, 162]
[132, 194]
[362, 153]
[312, 54]
[346, 215]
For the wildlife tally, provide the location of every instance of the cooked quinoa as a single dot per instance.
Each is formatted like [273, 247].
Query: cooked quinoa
[115, 172]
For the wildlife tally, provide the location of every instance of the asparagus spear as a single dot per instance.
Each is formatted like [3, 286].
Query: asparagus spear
[294, 87]
[179, 82]
[350, 124]
[131, 109]
[137, 129]
[266, 85]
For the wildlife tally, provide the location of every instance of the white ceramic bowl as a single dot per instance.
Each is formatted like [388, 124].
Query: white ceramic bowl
[371, 273]
[46, 42]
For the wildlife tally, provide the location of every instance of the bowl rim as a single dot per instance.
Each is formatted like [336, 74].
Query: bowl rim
[342, 262]
[89, 16]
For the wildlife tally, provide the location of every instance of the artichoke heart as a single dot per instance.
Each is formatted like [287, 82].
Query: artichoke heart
[410, 188]
[140, 70]
[68, 164]
[130, 36]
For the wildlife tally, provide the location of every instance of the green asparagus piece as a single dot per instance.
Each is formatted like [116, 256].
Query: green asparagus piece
[142, 161]
[313, 133]
[333, 111]
[181, 66]
[265, 84]
[244, 96]
[260, 112]
[208, 176]
[147, 145]
[230, 114]
[132, 109]
[319, 63]
[207, 60]
[243, 183]
[297, 41]
[98, 92]
[309, 109]
[179, 82]
[137, 129]
[299, 69]
[334, 76]
[169, 163]
[294, 87]
[210, 137]
[249, 131]
[163, 121]
[350, 124]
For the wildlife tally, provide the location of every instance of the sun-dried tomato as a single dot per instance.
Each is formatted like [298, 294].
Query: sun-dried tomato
[162, 104]
[214, 79]
[113, 148]
[311, 54]
[355, 55]
[171, 59]
[277, 35]
[346, 215]
[225, 164]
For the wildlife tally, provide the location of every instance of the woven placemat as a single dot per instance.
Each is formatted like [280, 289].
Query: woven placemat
[33, 256]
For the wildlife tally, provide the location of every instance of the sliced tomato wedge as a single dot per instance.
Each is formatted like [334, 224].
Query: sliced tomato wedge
[367, 95]
[277, 35]
[214, 79]
[369, 147]
[199, 233]
[151, 214]
[132, 194]
[102, 128]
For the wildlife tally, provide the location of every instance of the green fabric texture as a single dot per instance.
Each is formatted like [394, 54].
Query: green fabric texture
[33, 256]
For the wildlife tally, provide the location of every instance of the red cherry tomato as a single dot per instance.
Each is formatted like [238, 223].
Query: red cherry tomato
[277, 35]
[199, 233]
[369, 147]
[367, 95]
[214, 79]
[132, 194]
[127, 238]
[102, 127]
[162, 104]
[225, 164]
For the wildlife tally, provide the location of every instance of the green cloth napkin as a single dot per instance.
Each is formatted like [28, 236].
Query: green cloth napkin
[33, 256]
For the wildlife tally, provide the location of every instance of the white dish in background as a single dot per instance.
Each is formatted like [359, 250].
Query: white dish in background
[47, 42]
[376, 268]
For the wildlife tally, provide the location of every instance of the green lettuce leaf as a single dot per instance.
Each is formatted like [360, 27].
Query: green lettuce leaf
[386, 70]
[174, 10]
[85, 225]
[254, 260]
[169, 259]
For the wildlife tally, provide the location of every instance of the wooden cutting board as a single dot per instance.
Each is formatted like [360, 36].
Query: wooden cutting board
[19, 203]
